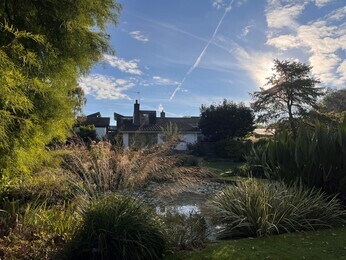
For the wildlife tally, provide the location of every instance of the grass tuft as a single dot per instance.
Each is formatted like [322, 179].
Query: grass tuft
[117, 227]
[260, 208]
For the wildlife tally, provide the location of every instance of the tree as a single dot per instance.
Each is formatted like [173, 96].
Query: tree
[45, 46]
[226, 120]
[334, 102]
[292, 91]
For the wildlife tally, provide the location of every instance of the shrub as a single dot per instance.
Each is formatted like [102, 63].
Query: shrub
[258, 208]
[87, 133]
[233, 149]
[185, 231]
[39, 232]
[58, 222]
[186, 160]
[316, 157]
[50, 187]
[117, 227]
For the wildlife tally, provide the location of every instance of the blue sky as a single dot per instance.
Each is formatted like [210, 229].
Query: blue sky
[177, 55]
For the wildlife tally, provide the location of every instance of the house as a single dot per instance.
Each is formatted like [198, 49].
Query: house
[100, 123]
[145, 128]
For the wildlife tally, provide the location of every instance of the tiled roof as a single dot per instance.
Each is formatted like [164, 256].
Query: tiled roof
[185, 124]
[96, 121]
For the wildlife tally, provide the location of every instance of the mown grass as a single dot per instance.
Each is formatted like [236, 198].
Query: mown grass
[224, 170]
[324, 244]
[219, 166]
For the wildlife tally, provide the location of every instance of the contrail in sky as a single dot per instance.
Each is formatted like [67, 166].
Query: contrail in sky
[195, 65]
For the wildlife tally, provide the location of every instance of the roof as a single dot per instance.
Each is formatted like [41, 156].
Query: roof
[96, 121]
[97, 114]
[185, 124]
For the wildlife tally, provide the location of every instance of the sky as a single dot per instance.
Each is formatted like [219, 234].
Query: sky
[177, 55]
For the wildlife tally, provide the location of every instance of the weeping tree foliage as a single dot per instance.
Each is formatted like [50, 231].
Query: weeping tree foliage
[292, 92]
[45, 46]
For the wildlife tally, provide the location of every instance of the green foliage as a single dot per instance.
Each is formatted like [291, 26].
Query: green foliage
[45, 46]
[87, 133]
[50, 187]
[226, 120]
[57, 222]
[39, 231]
[170, 131]
[316, 157]
[291, 92]
[233, 149]
[117, 227]
[261, 208]
[184, 232]
[335, 101]
[332, 108]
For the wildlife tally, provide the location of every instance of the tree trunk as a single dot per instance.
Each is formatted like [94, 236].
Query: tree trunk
[291, 120]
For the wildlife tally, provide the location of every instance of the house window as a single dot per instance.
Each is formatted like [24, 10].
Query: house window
[142, 140]
[144, 119]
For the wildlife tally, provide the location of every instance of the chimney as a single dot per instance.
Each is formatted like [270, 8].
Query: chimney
[163, 114]
[136, 120]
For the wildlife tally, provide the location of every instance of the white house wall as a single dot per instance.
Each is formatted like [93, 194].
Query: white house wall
[186, 139]
[126, 140]
[182, 146]
[101, 132]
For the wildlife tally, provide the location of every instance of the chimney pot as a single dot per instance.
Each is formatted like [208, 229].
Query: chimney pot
[136, 120]
[163, 114]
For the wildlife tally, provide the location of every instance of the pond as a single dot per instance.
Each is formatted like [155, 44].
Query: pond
[190, 202]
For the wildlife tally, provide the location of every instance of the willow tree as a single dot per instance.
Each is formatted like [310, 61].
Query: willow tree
[45, 46]
[290, 92]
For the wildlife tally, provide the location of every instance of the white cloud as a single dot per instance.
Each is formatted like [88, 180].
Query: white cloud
[164, 81]
[280, 16]
[105, 87]
[284, 42]
[322, 39]
[130, 66]
[241, 2]
[337, 14]
[341, 70]
[160, 108]
[321, 3]
[258, 64]
[139, 36]
[245, 31]
[218, 4]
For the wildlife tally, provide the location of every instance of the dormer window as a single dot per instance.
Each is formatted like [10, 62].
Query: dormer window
[144, 119]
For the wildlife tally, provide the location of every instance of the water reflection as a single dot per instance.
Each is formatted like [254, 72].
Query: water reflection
[180, 209]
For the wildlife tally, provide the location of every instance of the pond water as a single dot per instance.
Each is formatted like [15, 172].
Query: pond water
[189, 202]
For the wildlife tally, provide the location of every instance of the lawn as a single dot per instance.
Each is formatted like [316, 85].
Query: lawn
[224, 170]
[219, 165]
[326, 244]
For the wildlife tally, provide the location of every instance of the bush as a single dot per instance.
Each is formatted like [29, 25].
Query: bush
[316, 157]
[39, 232]
[260, 208]
[87, 133]
[117, 227]
[185, 231]
[50, 187]
[186, 160]
[233, 149]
